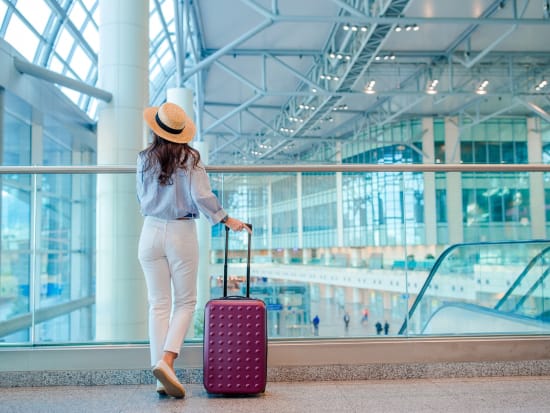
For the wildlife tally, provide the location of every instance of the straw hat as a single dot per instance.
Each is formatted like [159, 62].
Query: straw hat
[170, 122]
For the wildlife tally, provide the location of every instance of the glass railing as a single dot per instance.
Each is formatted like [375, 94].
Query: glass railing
[527, 286]
[328, 241]
[485, 288]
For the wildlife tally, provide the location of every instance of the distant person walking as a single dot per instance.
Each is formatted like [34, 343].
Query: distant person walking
[378, 327]
[315, 323]
[365, 316]
[386, 328]
[346, 320]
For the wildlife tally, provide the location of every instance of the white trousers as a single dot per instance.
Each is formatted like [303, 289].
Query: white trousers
[168, 253]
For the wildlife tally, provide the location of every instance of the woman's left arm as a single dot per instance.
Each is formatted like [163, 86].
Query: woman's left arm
[202, 195]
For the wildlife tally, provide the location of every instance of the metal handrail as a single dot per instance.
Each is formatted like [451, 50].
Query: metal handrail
[112, 169]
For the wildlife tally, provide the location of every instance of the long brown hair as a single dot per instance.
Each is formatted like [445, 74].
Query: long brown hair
[169, 156]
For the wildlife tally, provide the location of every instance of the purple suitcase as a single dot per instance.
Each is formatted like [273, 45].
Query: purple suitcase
[235, 340]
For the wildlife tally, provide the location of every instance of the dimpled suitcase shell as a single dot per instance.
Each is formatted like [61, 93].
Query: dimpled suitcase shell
[235, 339]
[235, 356]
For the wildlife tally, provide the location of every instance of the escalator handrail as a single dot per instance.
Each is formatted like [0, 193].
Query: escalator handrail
[483, 310]
[442, 258]
[520, 278]
[535, 285]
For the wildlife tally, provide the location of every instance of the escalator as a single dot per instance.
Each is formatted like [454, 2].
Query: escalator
[485, 288]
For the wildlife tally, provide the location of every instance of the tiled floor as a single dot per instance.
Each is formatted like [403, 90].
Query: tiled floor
[508, 394]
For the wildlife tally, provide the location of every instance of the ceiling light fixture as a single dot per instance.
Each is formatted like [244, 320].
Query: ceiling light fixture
[340, 107]
[295, 119]
[482, 88]
[390, 56]
[347, 27]
[408, 28]
[339, 56]
[543, 83]
[369, 88]
[411, 28]
[431, 89]
[328, 77]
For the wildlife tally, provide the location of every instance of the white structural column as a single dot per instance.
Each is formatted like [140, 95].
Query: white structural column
[430, 215]
[454, 182]
[339, 201]
[37, 141]
[299, 209]
[121, 303]
[537, 203]
[270, 220]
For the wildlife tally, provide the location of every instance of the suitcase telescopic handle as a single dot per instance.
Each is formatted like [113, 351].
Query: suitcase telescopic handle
[247, 261]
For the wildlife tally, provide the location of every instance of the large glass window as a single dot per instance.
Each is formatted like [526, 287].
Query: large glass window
[495, 141]
[285, 214]
[15, 206]
[47, 229]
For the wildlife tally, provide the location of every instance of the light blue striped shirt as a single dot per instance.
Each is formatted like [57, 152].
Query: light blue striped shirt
[189, 194]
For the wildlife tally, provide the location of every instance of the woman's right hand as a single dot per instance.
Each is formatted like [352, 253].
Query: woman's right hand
[236, 225]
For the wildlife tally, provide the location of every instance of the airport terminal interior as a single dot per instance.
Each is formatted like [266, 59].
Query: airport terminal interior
[392, 157]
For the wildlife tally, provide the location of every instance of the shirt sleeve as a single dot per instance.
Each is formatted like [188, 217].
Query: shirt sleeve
[139, 178]
[202, 195]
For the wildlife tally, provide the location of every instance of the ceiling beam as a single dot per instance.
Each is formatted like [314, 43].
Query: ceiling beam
[228, 47]
[53, 77]
[233, 112]
[261, 52]
[535, 109]
[411, 20]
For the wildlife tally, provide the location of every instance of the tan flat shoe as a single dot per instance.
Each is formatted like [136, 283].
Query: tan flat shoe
[167, 377]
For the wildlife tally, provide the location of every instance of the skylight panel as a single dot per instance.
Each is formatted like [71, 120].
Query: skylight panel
[80, 63]
[77, 15]
[36, 12]
[3, 10]
[89, 4]
[155, 26]
[167, 10]
[20, 36]
[56, 64]
[91, 35]
[64, 44]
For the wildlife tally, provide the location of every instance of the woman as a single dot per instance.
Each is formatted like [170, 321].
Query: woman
[172, 188]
